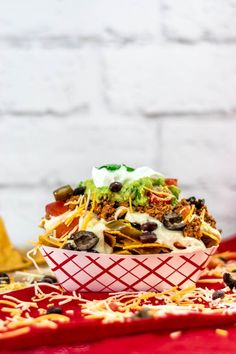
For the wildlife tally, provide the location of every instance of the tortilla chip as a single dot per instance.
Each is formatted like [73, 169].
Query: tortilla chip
[120, 237]
[47, 241]
[10, 258]
[110, 239]
[149, 250]
[209, 241]
[146, 245]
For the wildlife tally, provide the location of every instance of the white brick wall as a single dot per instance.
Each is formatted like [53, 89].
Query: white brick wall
[79, 19]
[84, 83]
[195, 20]
[56, 80]
[172, 78]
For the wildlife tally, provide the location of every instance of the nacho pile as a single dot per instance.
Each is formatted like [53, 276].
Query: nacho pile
[127, 211]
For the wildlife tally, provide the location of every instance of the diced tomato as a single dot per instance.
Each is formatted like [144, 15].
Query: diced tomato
[63, 228]
[154, 199]
[171, 181]
[56, 208]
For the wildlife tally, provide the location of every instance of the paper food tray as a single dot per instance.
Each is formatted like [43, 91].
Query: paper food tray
[95, 272]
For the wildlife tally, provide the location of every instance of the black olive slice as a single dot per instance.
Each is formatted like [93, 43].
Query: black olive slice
[53, 309]
[85, 240]
[173, 221]
[229, 281]
[69, 246]
[218, 294]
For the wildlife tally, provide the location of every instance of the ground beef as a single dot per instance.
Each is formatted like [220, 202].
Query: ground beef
[207, 217]
[182, 203]
[105, 210]
[155, 210]
[193, 229]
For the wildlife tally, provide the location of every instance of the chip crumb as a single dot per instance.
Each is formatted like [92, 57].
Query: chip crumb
[175, 335]
[222, 332]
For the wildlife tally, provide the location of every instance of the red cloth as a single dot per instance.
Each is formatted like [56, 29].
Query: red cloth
[69, 338]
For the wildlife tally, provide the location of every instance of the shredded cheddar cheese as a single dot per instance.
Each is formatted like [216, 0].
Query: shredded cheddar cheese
[190, 213]
[222, 332]
[14, 333]
[89, 214]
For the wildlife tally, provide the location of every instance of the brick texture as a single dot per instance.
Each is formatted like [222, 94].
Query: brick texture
[160, 80]
[79, 19]
[195, 20]
[47, 80]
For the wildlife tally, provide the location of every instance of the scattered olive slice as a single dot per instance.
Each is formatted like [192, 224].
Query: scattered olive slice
[85, 240]
[229, 281]
[63, 193]
[4, 278]
[173, 221]
[148, 237]
[115, 187]
[218, 294]
[53, 309]
[79, 190]
[149, 226]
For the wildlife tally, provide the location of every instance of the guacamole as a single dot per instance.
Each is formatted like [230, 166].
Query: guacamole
[136, 190]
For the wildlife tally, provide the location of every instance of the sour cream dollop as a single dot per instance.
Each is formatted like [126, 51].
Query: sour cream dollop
[102, 177]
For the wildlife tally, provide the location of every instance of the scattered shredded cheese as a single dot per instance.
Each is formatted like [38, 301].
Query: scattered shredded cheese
[175, 335]
[14, 333]
[222, 332]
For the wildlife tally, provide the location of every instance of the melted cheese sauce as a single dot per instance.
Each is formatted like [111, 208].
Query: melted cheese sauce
[165, 236]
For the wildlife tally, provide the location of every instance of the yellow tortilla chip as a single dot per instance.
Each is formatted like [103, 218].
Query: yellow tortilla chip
[120, 237]
[146, 245]
[47, 241]
[149, 250]
[110, 239]
[10, 258]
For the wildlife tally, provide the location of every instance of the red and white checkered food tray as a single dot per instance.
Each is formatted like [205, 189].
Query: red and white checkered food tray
[95, 272]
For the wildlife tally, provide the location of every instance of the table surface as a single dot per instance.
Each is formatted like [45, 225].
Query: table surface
[199, 340]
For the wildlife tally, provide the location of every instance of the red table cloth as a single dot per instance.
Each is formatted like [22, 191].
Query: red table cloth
[137, 337]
